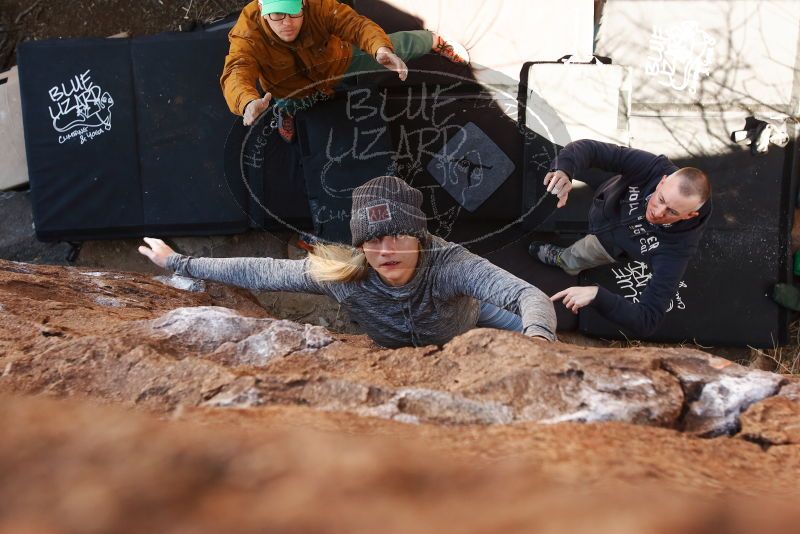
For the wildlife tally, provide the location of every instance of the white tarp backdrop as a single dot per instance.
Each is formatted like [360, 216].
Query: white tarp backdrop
[501, 36]
[13, 165]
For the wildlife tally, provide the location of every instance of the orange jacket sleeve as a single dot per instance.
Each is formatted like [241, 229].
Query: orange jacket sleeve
[345, 23]
[241, 71]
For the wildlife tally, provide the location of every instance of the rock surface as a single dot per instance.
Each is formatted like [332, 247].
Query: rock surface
[776, 420]
[716, 391]
[128, 337]
[182, 282]
[73, 467]
[321, 419]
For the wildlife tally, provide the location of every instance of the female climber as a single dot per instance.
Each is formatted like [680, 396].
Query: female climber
[401, 284]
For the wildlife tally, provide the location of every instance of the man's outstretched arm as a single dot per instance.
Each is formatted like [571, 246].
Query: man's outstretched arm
[241, 71]
[239, 77]
[584, 154]
[639, 318]
[635, 165]
[344, 22]
[238, 81]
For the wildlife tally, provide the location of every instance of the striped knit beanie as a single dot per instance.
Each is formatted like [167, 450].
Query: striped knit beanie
[386, 206]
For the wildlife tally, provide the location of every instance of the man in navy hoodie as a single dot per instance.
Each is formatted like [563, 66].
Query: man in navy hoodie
[651, 211]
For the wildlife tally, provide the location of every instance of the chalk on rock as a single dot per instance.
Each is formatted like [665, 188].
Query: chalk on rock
[316, 337]
[238, 340]
[717, 391]
[278, 339]
[205, 327]
[109, 302]
[420, 405]
[183, 283]
[241, 393]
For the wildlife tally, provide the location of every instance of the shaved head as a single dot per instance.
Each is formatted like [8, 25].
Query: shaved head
[693, 183]
[678, 197]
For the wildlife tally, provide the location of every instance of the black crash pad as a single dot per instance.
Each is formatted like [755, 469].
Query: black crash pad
[464, 157]
[724, 298]
[125, 137]
[79, 116]
[339, 154]
[306, 184]
[514, 258]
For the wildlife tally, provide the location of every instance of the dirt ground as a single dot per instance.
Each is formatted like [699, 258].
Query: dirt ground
[37, 19]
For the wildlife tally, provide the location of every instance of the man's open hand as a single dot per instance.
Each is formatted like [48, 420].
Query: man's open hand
[158, 252]
[576, 297]
[392, 61]
[558, 183]
[255, 108]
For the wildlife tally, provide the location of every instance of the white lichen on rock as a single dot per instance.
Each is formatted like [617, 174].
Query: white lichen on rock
[109, 302]
[251, 340]
[722, 400]
[183, 283]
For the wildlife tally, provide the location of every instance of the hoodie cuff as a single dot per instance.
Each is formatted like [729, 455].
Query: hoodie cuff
[605, 301]
[380, 43]
[560, 166]
[541, 331]
[177, 263]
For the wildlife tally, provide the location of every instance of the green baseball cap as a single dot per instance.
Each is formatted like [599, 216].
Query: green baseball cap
[292, 7]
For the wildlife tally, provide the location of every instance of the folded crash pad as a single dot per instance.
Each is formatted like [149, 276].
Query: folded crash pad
[13, 166]
[723, 298]
[125, 137]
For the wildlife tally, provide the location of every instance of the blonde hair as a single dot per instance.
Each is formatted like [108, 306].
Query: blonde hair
[337, 263]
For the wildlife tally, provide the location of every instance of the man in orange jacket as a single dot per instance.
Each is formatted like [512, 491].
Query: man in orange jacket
[301, 49]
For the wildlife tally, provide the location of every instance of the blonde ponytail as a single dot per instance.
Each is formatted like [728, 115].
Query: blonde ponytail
[337, 263]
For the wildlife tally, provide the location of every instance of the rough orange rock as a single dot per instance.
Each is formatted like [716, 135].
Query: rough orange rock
[269, 422]
[776, 420]
[70, 466]
[140, 341]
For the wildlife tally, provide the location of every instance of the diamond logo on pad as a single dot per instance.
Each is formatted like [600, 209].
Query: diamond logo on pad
[470, 167]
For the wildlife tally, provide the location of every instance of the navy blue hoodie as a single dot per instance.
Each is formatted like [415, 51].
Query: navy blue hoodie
[617, 218]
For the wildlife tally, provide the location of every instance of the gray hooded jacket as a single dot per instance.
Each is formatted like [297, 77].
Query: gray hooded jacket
[439, 303]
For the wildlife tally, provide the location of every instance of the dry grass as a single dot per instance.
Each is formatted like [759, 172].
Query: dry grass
[786, 359]
[783, 360]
